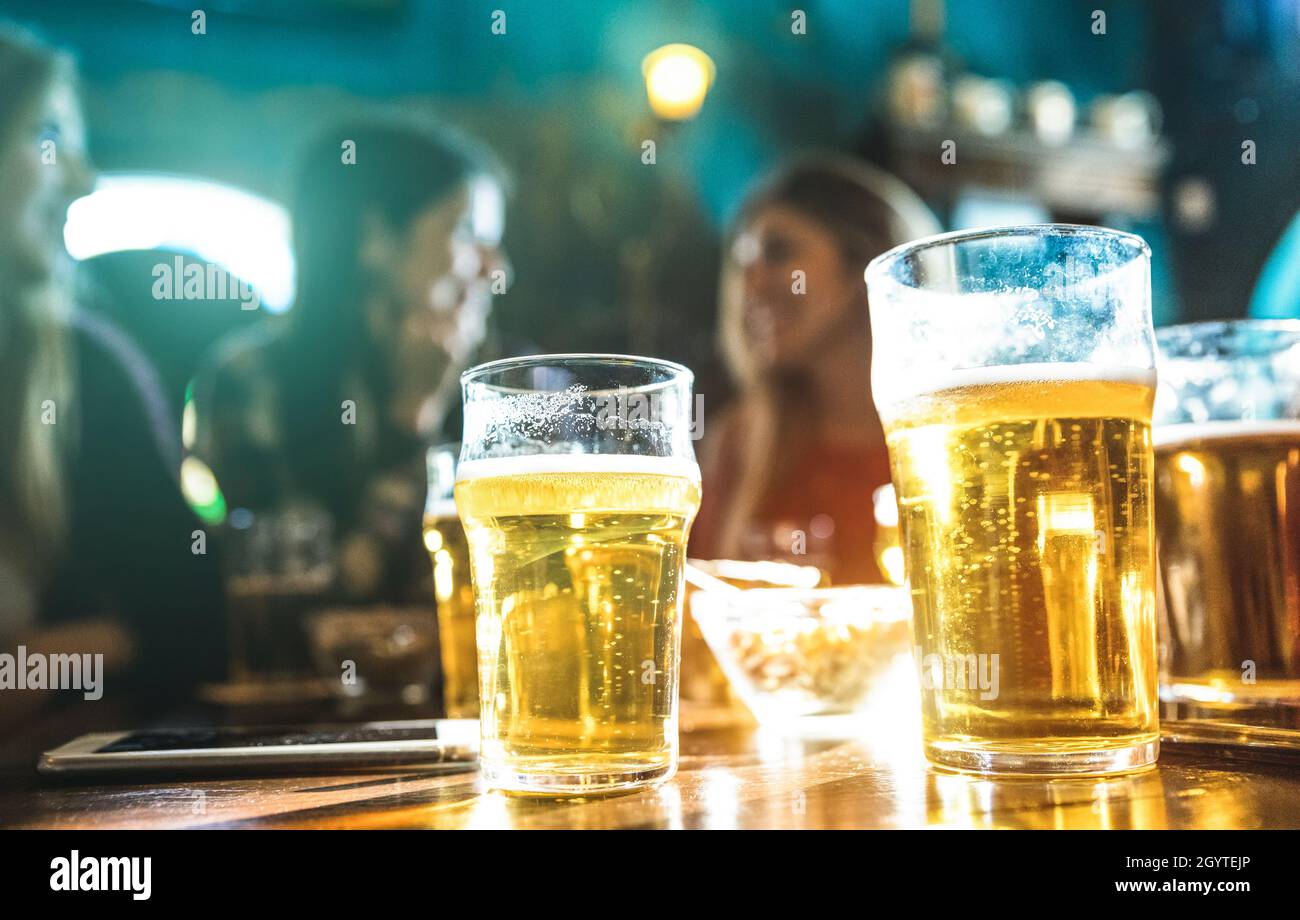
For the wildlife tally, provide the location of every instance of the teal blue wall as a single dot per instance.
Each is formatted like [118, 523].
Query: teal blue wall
[774, 89]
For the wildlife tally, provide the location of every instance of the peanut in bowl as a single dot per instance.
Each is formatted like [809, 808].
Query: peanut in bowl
[791, 652]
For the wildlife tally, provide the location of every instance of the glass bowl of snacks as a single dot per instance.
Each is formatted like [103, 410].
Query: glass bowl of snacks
[379, 654]
[794, 652]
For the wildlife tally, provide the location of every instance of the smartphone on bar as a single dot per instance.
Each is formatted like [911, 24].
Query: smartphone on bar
[444, 744]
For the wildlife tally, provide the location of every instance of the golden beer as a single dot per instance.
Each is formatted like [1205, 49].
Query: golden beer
[1228, 513]
[1025, 511]
[444, 537]
[578, 563]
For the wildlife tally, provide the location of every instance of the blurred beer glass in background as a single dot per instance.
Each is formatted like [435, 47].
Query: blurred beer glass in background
[444, 537]
[577, 485]
[1228, 509]
[887, 546]
[280, 567]
[1013, 371]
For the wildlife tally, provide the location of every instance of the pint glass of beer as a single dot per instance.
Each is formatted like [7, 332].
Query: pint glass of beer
[444, 538]
[1013, 371]
[577, 486]
[1227, 439]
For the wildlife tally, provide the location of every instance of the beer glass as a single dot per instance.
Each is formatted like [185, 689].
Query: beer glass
[577, 486]
[1227, 442]
[280, 568]
[444, 538]
[1013, 371]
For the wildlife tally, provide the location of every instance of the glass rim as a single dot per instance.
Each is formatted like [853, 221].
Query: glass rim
[1220, 326]
[818, 592]
[954, 237]
[734, 602]
[679, 371]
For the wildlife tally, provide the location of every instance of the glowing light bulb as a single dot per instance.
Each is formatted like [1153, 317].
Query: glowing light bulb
[677, 78]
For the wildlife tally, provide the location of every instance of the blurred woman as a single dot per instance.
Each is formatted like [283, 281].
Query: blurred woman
[96, 543]
[790, 468]
[396, 233]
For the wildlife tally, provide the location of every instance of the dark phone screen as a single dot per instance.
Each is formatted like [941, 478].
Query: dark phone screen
[191, 739]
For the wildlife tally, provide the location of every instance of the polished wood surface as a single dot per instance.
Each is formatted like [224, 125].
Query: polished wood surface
[731, 776]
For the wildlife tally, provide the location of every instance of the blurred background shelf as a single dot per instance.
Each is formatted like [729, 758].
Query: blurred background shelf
[1087, 178]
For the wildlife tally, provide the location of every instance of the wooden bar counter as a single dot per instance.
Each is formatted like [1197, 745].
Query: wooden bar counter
[731, 776]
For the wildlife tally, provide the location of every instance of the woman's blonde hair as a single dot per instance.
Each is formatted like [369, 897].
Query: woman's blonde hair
[868, 211]
[36, 376]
